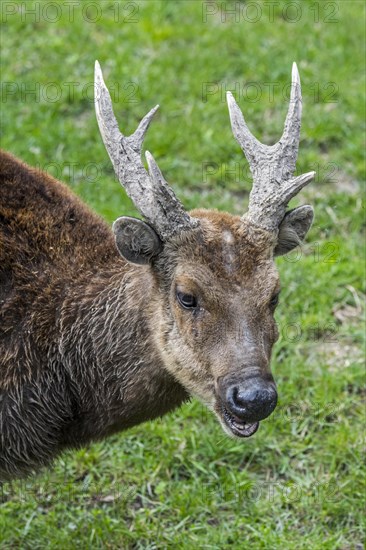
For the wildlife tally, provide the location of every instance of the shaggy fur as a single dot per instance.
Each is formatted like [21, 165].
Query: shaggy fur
[91, 344]
[73, 330]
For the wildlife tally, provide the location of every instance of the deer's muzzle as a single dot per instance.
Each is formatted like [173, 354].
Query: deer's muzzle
[245, 403]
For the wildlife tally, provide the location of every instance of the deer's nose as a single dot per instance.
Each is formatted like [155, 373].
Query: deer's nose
[251, 401]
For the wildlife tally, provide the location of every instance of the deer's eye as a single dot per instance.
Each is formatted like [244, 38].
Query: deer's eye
[274, 300]
[188, 301]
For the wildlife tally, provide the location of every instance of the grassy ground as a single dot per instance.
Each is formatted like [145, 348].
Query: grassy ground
[179, 482]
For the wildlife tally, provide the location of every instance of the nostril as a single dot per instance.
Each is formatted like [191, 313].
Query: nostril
[236, 395]
[236, 400]
[243, 397]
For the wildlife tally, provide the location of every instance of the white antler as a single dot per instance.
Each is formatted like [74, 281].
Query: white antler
[272, 166]
[150, 192]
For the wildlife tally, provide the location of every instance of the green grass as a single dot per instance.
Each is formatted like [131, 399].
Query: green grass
[180, 482]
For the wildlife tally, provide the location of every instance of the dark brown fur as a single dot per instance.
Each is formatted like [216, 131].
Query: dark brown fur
[91, 344]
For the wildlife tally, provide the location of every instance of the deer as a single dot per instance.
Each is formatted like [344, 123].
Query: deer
[105, 328]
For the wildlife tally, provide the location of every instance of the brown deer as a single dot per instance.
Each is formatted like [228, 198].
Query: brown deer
[101, 330]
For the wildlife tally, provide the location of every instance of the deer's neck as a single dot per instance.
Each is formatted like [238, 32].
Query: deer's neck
[112, 360]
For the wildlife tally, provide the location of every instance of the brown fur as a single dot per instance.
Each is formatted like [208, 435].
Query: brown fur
[91, 344]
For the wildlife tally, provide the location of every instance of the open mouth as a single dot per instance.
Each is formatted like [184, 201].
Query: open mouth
[237, 426]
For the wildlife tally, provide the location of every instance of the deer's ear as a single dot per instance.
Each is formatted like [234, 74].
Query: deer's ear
[293, 229]
[136, 241]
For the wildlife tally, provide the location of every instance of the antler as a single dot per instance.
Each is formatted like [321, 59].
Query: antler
[149, 192]
[272, 166]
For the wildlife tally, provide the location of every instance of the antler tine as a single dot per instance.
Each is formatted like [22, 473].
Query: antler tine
[166, 199]
[107, 122]
[272, 166]
[289, 142]
[137, 138]
[249, 144]
[150, 193]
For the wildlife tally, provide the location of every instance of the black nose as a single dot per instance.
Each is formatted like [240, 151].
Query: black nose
[251, 401]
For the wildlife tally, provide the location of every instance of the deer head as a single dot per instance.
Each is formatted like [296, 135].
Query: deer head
[216, 284]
